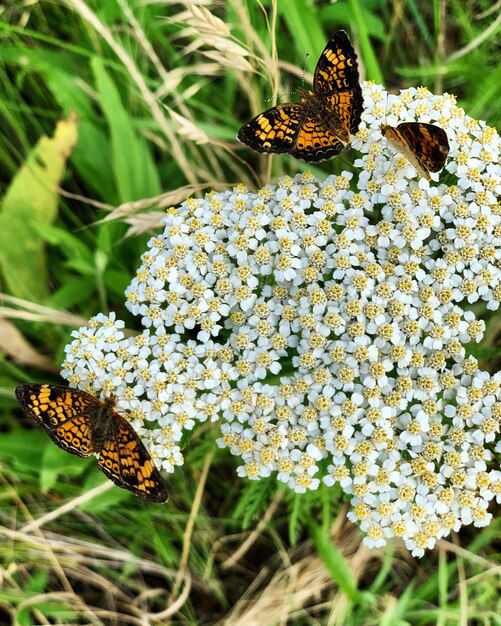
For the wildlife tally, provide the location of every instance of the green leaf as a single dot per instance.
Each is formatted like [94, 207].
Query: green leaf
[72, 247]
[444, 582]
[133, 166]
[370, 60]
[23, 448]
[47, 608]
[31, 200]
[339, 14]
[384, 570]
[255, 499]
[294, 518]
[117, 281]
[109, 499]
[396, 613]
[92, 154]
[336, 563]
[72, 292]
[37, 582]
[32, 452]
[92, 160]
[305, 27]
[57, 463]
[482, 354]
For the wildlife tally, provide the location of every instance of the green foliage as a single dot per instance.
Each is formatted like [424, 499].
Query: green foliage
[51, 609]
[336, 563]
[131, 160]
[254, 500]
[358, 11]
[119, 77]
[31, 453]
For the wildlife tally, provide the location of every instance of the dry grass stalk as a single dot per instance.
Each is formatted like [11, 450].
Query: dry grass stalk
[178, 74]
[143, 223]
[227, 59]
[201, 19]
[14, 345]
[475, 43]
[67, 507]
[299, 583]
[187, 129]
[208, 30]
[253, 536]
[163, 200]
[30, 311]
[78, 559]
[136, 75]
[129, 212]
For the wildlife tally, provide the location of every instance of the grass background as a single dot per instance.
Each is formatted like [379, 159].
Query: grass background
[112, 111]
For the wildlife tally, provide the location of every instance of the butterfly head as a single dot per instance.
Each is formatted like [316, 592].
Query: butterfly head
[305, 94]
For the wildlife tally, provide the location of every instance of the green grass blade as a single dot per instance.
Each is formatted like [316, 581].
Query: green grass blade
[135, 173]
[372, 67]
[305, 27]
[336, 563]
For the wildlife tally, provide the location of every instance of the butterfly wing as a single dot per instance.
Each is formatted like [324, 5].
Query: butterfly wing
[312, 129]
[424, 145]
[337, 83]
[73, 419]
[64, 413]
[274, 130]
[315, 142]
[74, 436]
[428, 143]
[291, 128]
[125, 460]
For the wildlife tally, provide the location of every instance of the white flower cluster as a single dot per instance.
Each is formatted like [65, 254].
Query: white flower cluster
[323, 324]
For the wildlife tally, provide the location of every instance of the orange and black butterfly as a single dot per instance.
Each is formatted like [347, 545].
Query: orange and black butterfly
[81, 424]
[313, 130]
[424, 145]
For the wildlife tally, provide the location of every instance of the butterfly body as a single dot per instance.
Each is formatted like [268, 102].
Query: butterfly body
[83, 425]
[316, 108]
[314, 128]
[424, 145]
[104, 426]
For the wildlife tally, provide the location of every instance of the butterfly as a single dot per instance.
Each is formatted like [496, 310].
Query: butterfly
[313, 130]
[82, 424]
[424, 145]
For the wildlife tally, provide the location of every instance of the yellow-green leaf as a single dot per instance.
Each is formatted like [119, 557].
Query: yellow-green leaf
[30, 199]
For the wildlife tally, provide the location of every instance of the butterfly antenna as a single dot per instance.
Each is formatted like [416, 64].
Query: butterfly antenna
[304, 68]
[289, 93]
[384, 122]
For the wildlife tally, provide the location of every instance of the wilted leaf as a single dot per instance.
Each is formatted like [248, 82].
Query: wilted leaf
[32, 198]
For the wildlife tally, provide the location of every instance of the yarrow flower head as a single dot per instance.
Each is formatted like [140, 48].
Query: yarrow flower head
[323, 325]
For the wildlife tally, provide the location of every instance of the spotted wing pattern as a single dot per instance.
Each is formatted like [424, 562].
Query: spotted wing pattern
[74, 436]
[126, 462]
[81, 424]
[314, 128]
[337, 82]
[315, 142]
[425, 145]
[53, 405]
[276, 129]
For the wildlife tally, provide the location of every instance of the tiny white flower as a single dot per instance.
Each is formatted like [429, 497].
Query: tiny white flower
[323, 325]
